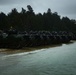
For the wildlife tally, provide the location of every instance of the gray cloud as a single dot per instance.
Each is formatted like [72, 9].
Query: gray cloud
[8, 2]
[5, 2]
[71, 9]
[63, 7]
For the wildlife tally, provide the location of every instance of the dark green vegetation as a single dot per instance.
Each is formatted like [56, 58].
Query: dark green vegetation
[16, 40]
[28, 20]
[27, 29]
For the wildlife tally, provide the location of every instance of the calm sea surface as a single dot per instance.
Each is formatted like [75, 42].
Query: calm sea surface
[60, 60]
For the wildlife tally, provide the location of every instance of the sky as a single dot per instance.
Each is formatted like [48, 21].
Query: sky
[63, 7]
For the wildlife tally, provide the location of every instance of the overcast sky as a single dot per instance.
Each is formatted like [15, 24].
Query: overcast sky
[63, 7]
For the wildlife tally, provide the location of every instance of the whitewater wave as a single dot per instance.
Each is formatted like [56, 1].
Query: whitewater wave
[25, 53]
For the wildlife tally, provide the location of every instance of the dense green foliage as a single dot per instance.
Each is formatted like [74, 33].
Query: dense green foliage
[28, 20]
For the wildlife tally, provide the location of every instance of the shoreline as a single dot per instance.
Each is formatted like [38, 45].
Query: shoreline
[29, 49]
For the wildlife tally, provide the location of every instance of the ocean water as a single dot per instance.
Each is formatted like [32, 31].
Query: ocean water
[60, 60]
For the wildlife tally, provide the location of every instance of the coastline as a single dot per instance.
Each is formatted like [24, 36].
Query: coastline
[29, 49]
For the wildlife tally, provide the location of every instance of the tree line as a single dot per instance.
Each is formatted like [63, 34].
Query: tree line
[28, 20]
